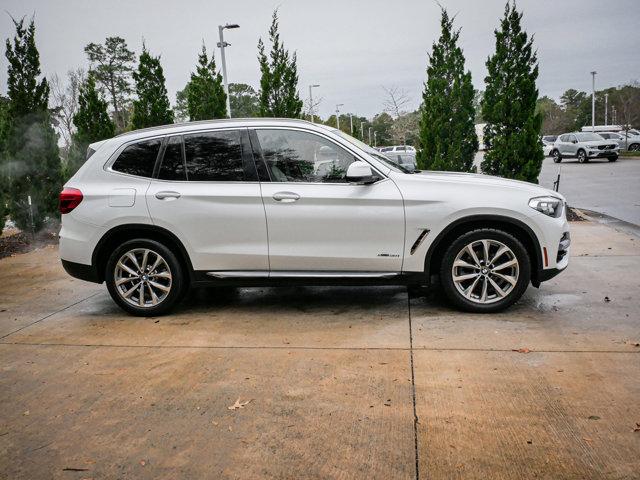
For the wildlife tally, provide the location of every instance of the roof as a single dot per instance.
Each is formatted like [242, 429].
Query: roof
[232, 122]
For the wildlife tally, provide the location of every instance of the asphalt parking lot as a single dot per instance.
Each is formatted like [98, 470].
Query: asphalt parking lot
[341, 382]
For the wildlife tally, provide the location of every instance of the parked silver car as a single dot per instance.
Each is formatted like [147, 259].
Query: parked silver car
[407, 160]
[584, 146]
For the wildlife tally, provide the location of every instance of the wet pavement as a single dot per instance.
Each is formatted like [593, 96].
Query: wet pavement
[341, 382]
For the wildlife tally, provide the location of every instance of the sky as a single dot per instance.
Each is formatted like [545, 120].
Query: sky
[351, 48]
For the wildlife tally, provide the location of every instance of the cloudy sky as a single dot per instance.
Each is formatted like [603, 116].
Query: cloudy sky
[350, 48]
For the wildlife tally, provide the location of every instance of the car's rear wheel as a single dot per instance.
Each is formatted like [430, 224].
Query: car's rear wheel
[485, 271]
[582, 156]
[557, 158]
[634, 147]
[144, 277]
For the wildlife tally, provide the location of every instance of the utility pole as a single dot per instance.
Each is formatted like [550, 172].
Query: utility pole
[311, 101]
[338, 115]
[606, 108]
[222, 44]
[593, 101]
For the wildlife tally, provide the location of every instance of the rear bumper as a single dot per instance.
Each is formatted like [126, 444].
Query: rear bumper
[87, 273]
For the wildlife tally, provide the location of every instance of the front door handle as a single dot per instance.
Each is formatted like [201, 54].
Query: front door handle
[167, 195]
[286, 197]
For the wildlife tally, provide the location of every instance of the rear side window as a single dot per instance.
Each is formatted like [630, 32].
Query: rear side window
[138, 158]
[173, 167]
[214, 157]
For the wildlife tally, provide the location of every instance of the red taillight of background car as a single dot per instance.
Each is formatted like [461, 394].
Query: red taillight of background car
[70, 198]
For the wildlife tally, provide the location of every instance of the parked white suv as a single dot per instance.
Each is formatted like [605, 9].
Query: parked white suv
[584, 146]
[244, 202]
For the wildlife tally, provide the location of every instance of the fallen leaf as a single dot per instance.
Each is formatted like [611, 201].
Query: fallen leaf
[143, 462]
[637, 429]
[607, 299]
[586, 439]
[521, 350]
[26, 413]
[238, 404]
[594, 417]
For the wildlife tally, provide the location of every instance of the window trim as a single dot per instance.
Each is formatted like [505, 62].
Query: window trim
[259, 157]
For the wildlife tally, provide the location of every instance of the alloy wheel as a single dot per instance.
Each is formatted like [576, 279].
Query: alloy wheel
[485, 271]
[142, 278]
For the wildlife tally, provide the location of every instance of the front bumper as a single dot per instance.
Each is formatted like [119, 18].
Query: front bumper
[603, 153]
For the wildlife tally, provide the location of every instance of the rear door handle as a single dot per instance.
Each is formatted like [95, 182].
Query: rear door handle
[167, 195]
[286, 197]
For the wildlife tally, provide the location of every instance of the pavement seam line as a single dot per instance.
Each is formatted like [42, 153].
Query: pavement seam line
[47, 316]
[302, 348]
[413, 389]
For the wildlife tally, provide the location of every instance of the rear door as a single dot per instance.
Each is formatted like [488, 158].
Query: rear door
[207, 193]
[317, 221]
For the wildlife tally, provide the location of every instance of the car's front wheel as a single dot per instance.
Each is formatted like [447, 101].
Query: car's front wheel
[582, 156]
[613, 158]
[144, 277]
[485, 271]
[557, 158]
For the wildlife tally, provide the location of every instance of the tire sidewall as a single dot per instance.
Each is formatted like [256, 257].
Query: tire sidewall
[557, 158]
[177, 281]
[584, 156]
[524, 265]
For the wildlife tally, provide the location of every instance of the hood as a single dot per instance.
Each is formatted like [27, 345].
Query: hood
[597, 143]
[482, 180]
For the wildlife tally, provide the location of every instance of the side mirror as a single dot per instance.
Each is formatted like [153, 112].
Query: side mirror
[360, 172]
[574, 141]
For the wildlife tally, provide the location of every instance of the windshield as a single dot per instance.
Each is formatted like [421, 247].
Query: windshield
[588, 137]
[374, 153]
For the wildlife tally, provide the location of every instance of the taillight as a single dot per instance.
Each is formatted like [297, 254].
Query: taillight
[70, 198]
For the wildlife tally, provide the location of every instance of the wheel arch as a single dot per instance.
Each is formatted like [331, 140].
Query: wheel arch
[122, 233]
[513, 226]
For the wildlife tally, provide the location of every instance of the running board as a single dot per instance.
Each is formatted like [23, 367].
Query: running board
[302, 274]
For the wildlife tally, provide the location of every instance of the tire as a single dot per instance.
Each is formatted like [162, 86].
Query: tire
[634, 147]
[557, 158]
[470, 294]
[582, 156]
[613, 159]
[162, 287]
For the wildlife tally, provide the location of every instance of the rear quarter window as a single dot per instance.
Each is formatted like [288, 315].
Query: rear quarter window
[138, 158]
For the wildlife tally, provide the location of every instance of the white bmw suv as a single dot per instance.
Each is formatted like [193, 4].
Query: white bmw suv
[277, 201]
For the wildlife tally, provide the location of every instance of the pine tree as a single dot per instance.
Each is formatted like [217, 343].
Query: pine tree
[112, 64]
[447, 131]
[512, 133]
[92, 124]
[31, 147]
[152, 106]
[279, 78]
[206, 98]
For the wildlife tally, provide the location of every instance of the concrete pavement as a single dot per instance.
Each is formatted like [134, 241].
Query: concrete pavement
[336, 378]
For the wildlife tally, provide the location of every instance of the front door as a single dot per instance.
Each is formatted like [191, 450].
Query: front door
[207, 194]
[316, 220]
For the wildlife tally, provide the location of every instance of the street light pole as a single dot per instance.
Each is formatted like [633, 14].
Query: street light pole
[606, 109]
[222, 44]
[351, 121]
[338, 115]
[311, 101]
[593, 101]
[362, 130]
[375, 139]
[369, 136]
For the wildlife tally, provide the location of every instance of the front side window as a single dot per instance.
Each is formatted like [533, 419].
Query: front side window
[138, 158]
[294, 156]
[214, 156]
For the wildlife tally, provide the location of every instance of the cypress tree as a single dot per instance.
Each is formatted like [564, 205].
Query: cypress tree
[4, 130]
[152, 106]
[206, 98]
[279, 78]
[31, 146]
[92, 124]
[512, 133]
[447, 131]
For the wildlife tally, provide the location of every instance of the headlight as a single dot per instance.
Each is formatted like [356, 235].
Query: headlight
[551, 206]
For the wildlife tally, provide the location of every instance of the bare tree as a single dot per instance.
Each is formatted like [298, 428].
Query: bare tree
[64, 99]
[312, 108]
[396, 100]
